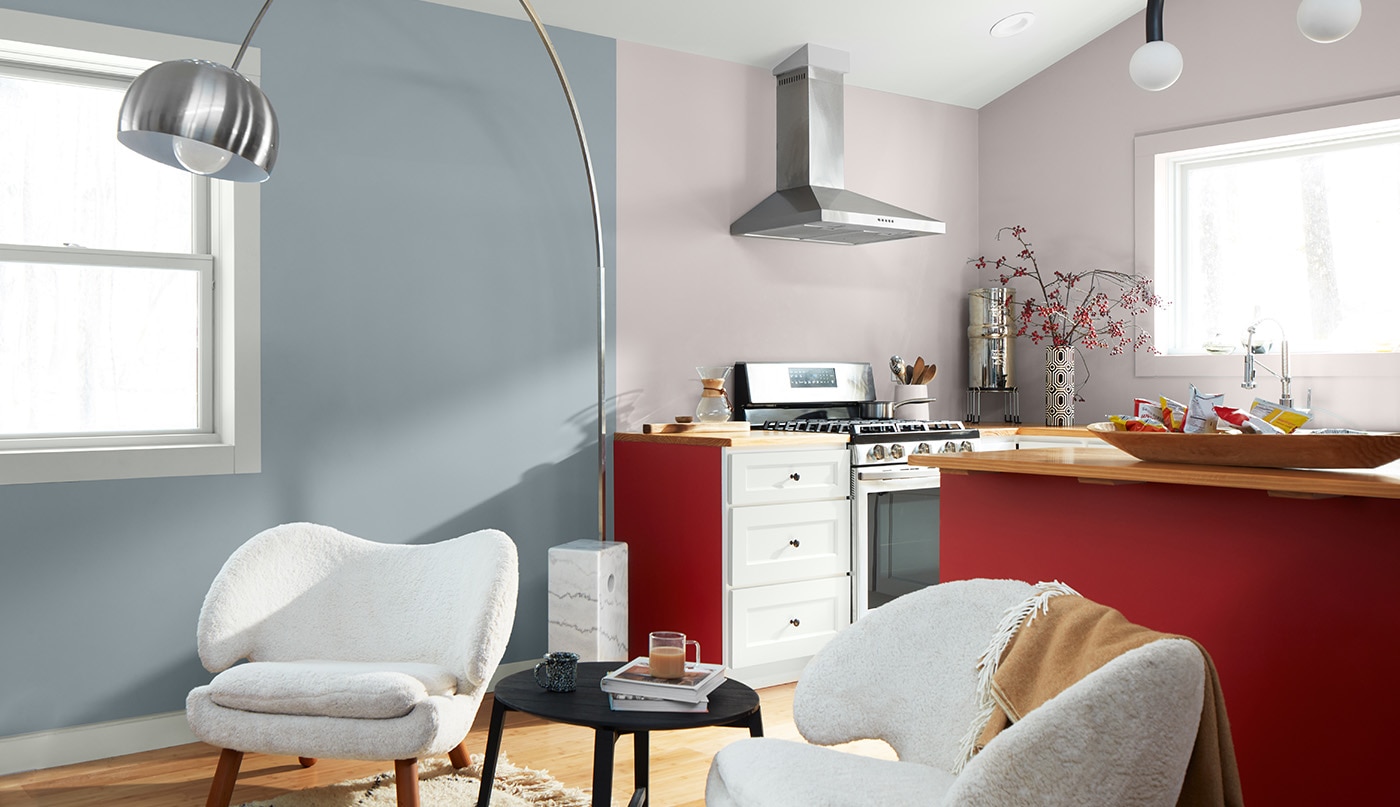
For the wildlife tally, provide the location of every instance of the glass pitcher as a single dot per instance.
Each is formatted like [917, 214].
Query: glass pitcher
[714, 406]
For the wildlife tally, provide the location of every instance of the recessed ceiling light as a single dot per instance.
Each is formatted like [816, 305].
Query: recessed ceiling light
[1012, 25]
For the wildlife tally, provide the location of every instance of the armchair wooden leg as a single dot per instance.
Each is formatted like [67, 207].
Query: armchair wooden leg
[406, 781]
[221, 790]
[306, 762]
[459, 756]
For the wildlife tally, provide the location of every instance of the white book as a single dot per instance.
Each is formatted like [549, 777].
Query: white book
[636, 703]
[634, 678]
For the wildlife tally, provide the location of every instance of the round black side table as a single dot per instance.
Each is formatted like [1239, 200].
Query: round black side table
[731, 704]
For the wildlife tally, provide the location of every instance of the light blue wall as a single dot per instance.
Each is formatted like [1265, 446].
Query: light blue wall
[428, 342]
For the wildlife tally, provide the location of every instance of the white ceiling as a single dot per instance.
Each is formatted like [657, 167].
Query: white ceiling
[939, 50]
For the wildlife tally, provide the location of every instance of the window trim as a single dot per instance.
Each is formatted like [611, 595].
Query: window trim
[1152, 193]
[235, 443]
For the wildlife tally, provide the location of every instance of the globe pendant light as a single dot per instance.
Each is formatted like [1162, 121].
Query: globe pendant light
[1328, 20]
[1157, 64]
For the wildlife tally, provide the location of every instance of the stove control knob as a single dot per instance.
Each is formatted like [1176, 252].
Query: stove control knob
[965, 446]
[877, 452]
[896, 451]
[923, 448]
[948, 448]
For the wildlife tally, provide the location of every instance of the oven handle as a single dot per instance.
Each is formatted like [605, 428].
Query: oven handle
[903, 482]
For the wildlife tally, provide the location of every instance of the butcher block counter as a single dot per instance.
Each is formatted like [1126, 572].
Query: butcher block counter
[1285, 576]
[757, 437]
[1107, 465]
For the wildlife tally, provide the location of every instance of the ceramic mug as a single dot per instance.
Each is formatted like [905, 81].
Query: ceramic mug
[667, 654]
[558, 672]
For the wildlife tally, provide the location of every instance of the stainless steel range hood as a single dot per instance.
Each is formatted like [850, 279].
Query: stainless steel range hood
[811, 203]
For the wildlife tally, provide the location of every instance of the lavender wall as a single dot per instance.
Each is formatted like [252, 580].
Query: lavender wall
[695, 144]
[1056, 155]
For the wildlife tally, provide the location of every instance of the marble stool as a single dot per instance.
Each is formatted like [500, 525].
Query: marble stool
[588, 599]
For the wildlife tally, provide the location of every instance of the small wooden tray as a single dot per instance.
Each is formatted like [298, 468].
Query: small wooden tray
[1255, 450]
[727, 427]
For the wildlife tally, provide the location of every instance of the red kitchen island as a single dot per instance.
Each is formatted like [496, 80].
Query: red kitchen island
[1287, 577]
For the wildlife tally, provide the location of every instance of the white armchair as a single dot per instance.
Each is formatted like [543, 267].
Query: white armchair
[355, 649]
[906, 674]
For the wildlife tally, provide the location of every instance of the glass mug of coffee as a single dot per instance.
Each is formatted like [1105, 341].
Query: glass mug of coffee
[667, 656]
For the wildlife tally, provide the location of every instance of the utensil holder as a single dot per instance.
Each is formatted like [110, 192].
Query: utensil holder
[913, 411]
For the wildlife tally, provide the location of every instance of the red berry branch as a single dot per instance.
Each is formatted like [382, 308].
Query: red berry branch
[1086, 310]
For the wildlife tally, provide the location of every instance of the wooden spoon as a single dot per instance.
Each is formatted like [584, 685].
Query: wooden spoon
[918, 370]
[929, 373]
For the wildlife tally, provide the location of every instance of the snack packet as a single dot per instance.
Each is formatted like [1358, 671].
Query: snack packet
[1247, 423]
[1143, 408]
[1173, 414]
[1287, 420]
[1124, 423]
[1200, 415]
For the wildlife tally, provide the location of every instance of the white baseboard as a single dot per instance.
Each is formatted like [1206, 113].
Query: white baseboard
[65, 746]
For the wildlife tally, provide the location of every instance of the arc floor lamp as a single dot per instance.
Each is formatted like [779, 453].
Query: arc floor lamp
[203, 117]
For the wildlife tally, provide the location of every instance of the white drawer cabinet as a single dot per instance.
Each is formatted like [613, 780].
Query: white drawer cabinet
[780, 623]
[770, 477]
[784, 542]
[787, 544]
[746, 549]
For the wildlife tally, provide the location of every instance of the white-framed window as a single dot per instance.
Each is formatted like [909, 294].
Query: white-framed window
[129, 342]
[1285, 222]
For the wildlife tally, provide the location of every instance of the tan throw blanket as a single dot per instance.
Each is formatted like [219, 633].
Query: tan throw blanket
[1070, 638]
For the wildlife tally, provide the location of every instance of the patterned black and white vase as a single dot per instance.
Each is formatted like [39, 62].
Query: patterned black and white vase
[1059, 386]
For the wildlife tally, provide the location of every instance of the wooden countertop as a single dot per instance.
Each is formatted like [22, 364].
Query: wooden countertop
[1108, 465]
[735, 439]
[762, 438]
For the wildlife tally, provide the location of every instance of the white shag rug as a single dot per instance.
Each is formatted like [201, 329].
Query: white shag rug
[441, 785]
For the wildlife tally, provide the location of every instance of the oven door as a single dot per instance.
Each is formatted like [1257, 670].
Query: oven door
[895, 532]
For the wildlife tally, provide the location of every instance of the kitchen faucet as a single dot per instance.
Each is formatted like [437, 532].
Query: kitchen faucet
[1285, 381]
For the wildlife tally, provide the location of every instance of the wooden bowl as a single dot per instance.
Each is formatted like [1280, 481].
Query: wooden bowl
[1255, 450]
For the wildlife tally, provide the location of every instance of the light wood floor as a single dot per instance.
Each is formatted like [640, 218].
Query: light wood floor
[179, 776]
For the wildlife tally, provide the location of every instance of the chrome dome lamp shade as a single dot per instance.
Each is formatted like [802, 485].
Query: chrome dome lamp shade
[202, 117]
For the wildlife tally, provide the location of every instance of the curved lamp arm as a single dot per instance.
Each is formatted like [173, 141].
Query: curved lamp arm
[208, 119]
[602, 272]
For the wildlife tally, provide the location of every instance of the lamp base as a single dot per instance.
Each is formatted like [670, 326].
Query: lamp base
[588, 599]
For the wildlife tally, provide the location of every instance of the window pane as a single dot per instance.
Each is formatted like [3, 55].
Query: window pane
[64, 178]
[97, 350]
[1302, 237]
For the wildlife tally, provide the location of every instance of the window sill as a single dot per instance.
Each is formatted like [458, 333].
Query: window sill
[127, 462]
[1309, 365]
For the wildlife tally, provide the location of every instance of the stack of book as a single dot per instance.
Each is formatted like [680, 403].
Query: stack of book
[632, 688]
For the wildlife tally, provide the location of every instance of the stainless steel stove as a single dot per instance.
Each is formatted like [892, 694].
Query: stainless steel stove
[894, 506]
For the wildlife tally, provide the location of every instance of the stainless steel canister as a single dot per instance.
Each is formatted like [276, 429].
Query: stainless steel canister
[990, 338]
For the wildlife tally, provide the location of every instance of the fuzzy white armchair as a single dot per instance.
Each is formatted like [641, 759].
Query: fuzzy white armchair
[356, 649]
[906, 674]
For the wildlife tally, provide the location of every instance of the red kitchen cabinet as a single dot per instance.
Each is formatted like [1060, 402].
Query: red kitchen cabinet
[1293, 598]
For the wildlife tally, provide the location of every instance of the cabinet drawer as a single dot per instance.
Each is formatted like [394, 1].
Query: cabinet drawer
[778, 543]
[775, 477]
[788, 620]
